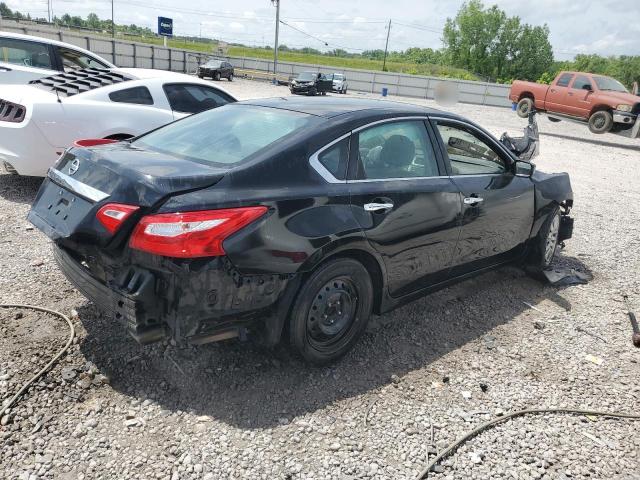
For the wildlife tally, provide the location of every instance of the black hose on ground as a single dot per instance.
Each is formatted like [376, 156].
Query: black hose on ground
[72, 334]
[454, 446]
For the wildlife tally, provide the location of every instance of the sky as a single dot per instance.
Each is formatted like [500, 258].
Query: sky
[605, 27]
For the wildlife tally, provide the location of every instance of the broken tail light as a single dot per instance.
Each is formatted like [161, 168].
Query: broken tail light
[11, 112]
[113, 215]
[191, 234]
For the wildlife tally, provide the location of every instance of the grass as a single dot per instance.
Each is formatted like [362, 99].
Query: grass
[326, 60]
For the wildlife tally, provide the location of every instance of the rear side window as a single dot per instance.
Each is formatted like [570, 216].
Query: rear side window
[396, 150]
[23, 52]
[137, 95]
[247, 130]
[335, 158]
[564, 79]
[73, 59]
[189, 98]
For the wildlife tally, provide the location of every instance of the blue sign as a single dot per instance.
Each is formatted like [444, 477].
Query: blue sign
[165, 26]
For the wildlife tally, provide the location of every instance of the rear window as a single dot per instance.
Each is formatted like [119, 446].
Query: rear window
[225, 135]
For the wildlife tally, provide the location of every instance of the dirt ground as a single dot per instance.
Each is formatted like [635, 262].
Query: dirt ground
[421, 376]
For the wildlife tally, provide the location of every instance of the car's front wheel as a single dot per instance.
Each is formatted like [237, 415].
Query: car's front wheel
[331, 310]
[216, 76]
[545, 245]
[601, 122]
[230, 78]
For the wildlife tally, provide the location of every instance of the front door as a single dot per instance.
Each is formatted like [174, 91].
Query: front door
[497, 206]
[579, 96]
[408, 208]
[556, 100]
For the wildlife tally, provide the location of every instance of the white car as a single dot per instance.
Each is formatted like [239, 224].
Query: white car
[24, 58]
[40, 120]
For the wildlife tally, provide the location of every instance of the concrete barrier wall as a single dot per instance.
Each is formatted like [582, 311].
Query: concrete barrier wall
[133, 54]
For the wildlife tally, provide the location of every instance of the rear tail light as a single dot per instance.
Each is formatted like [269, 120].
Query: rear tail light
[11, 112]
[113, 215]
[191, 234]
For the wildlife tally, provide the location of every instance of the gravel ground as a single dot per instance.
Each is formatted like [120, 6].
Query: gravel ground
[421, 376]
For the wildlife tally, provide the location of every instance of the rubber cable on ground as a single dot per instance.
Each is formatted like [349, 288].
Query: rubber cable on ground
[72, 334]
[454, 446]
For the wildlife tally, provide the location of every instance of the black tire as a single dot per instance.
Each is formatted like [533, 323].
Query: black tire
[200, 76]
[230, 78]
[313, 92]
[525, 105]
[324, 93]
[216, 76]
[600, 122]
[344, 92]
[331, 311]
[545, 245]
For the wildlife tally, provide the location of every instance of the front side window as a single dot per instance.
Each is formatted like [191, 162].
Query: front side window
[23, 52]
[468, 154]
[564, 79]
[247, 130]
[396, 150]
[72, 60]
[189, 98]
[581, 82]
[137, 95]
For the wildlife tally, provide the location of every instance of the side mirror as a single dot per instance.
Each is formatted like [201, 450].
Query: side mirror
[587, 88]
[524, 169]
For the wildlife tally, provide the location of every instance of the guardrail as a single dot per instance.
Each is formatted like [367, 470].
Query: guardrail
[125, 53]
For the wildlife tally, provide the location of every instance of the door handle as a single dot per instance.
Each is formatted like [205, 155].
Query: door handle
[553, 90]
[569, 93]
[473, 200]
[377, 207]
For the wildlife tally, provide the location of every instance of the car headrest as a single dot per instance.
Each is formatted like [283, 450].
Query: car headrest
[398, 150]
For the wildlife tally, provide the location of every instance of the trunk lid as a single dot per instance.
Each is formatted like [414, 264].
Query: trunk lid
[84, 179]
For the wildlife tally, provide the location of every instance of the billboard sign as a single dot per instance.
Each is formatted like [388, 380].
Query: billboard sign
[165, 26]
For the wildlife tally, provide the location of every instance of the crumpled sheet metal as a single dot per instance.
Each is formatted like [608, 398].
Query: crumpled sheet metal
[563, 276]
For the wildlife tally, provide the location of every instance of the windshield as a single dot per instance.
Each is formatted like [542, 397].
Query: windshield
[608, 83]
[337, 76]
[307, 76]
[213, 63]
[225, 135]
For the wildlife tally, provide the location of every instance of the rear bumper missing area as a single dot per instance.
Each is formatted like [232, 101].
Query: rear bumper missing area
[190, 302]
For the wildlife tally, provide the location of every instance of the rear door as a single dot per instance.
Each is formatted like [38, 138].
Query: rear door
[497, 206]
[405, 203]
[557, 95]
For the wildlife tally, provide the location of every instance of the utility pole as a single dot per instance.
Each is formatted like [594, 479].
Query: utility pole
[113, 24]
[49, 9]
[386, 47]
[275, 47]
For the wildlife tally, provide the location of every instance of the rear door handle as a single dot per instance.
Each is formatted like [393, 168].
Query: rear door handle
[377, 207]
[473, 200]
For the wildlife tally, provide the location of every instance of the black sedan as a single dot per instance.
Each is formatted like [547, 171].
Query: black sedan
[290, 215]
[216, 69]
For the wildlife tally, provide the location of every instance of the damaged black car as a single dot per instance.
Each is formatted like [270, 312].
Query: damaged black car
[288, 215]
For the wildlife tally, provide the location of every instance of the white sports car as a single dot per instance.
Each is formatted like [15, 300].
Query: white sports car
[24, 58]
[40, 120]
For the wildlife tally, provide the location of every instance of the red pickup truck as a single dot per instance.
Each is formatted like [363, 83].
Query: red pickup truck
[601, 101]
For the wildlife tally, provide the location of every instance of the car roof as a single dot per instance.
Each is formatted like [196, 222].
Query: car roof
[33, 38]
[329, 107]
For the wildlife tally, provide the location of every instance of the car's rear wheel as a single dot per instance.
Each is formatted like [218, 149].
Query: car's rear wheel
[600, 122]
[230, 78]
[331, 310]
[216, 76]
[545, 244]
[525, 105]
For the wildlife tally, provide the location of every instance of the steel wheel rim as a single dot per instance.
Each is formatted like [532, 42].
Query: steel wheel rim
[599, 121]
[332, 313]
[552, 240]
